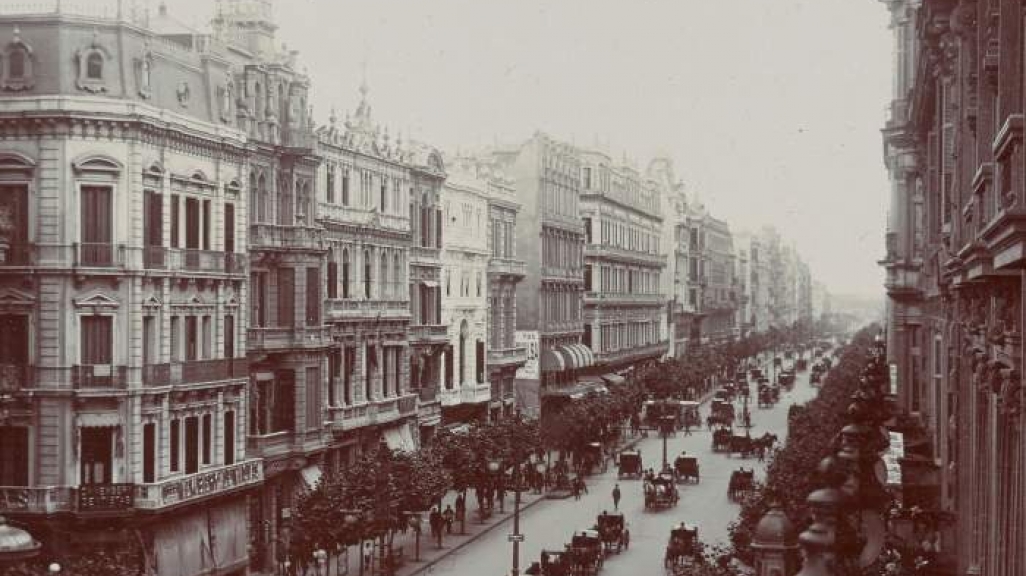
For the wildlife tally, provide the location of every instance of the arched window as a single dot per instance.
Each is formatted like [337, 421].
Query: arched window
[16, 64]
[345, 273]
[384, 289]
[331, 281]
[463, 351]
[367, 274]
[94, 66]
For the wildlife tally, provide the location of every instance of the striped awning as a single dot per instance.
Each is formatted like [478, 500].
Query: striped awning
[553, 360]
[580, 356]
[614, 378]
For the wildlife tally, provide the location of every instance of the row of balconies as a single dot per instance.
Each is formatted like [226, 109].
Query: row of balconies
[107, 376]
[466, 393]
[429, 333]
[101, 255]
[348, 309]
[623, 254]
[373, 413]
[507, 356]
[623, 298]
[286, 237]
[287, 337]
[106, 498]
[362, 217]
[632, 353]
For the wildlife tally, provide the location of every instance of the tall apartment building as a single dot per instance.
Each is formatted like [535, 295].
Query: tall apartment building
[124, 167]
[466, 393]
[742, 285]
[624, 309]
[719, 289]
[550, 240]
[675, 234]
[954, 265]
[505, 271]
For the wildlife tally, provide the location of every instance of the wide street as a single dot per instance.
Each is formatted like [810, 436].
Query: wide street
[549, 524]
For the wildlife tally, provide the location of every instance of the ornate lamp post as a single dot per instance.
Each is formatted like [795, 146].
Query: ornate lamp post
[666, 426]
[413, 520]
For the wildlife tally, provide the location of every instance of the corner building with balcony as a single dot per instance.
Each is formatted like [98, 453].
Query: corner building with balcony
[123, 284]
[681, 310]
[623, 306]
[955, 260]
[550, 240]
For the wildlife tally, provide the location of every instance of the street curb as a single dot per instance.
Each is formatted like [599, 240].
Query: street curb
[471, 538]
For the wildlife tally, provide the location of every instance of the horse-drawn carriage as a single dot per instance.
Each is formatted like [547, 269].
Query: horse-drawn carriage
[686, 468]
[725, 393]
[691, 418]
[587, 551]
[755, 373]
[613, 531]
[744, 445]
[630, 464]
[683, 546]
[655, 412]
[802, 364]
[593, 458]
[551, 563]
[786, 377]
[742, 483]
[661, 491]
[721, 438]
[768, 395]
[721, 413]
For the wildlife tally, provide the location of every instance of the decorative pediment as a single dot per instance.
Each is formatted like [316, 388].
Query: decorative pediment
[13, 164]
[231, 302]
[97, 163]
[92, 65]
[18, 71]
[152, 303]
[192, 302]
[14, 299]
[97, 300]
[233, 187]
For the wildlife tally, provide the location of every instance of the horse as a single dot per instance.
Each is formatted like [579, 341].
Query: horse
[764, 443]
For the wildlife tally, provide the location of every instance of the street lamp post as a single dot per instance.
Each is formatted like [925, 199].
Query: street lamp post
[413, 521]
[665, 427]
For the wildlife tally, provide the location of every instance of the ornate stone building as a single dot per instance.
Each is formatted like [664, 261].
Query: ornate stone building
[125, 159]
[624, 310]
[465, 391]
[675, 283]
[954, 262]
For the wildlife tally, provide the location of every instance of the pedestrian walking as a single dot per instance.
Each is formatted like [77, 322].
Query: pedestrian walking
[436, 521]
[575, 487]
[448, 516]
[616, 497]
[687, 426]
[368, 554]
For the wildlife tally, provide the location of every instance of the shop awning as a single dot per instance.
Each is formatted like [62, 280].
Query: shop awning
[614, 378]
[399, 438]
[552, 360]
[107, 420]
[579, 355]
[311, 475]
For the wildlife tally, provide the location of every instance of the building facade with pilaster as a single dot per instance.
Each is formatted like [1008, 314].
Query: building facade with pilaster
[954, 262]
[675, 237]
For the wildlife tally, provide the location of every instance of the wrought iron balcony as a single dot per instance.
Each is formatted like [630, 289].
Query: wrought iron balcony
[173, 491]
[632, 354]
[624, 255]
[424, 255]
[363, 217]
[630, 299]
[903, 282]
[106, 497]
[190, 260]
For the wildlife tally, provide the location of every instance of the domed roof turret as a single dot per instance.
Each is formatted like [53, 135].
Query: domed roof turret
[15, 543]
[774, 530]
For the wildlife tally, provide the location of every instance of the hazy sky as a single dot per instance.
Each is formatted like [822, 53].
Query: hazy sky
[771, 109]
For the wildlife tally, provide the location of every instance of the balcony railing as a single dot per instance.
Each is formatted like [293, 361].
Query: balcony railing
[362, 216]
[98, 376]
[424, 254]
[337, 308]
[507, 267]
[624, 298]
[199, 485]
[407, 404]
[428, 394]
[105, 497]
[429, 333]
[194, 372]
[600, 251]
[634, 353]
[473, 393]
[14, 377]
[17, 255]
[274, 338]
[507, 356]
[36, 500]
[285, 237]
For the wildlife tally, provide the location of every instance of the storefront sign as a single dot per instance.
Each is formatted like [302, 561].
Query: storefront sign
[206, 483]
[529, 340]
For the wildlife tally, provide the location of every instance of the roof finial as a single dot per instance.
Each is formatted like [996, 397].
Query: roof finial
[363, 82]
